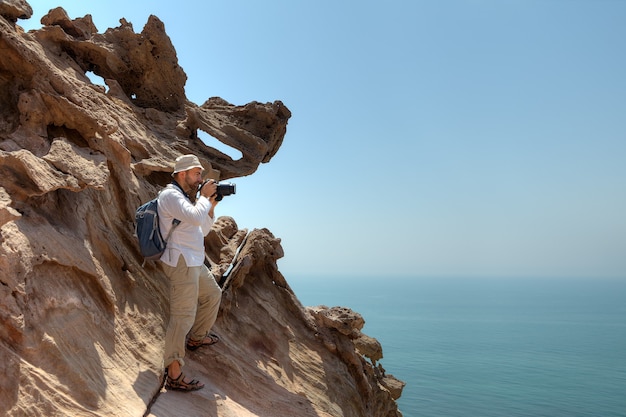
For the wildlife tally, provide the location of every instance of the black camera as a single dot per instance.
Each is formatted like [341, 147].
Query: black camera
[223, 189]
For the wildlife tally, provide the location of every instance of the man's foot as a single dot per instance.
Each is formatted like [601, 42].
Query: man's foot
[179, 384]
[210, 339]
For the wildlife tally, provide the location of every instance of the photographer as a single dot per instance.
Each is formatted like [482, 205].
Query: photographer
[194, 294]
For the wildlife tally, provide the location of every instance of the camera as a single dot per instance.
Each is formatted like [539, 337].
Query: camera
[223, 189]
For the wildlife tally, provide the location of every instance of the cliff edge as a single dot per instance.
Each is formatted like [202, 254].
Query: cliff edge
[82, 322]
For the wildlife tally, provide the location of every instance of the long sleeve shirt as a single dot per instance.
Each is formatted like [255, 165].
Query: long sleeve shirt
[187, 239]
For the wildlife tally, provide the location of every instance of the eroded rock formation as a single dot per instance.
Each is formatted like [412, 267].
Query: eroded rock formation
[82, 321]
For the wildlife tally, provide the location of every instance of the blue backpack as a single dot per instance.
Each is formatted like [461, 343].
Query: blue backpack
[151, 242]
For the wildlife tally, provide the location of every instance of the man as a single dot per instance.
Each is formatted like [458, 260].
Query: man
[194, 294]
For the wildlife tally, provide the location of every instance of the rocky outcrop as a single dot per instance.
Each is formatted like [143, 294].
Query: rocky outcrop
[82, 321]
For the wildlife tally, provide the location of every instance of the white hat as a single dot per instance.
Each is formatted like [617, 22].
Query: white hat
[186, 162]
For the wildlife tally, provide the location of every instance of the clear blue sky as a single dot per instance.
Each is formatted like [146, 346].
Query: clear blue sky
[428, 138]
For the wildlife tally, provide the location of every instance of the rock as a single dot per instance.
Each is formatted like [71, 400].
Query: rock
[7, 213]
[81, 321]
[15, 9]
[342, 319]
[369, 347]
[394, 385]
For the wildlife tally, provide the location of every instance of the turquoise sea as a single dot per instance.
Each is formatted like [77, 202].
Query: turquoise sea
[492, 347]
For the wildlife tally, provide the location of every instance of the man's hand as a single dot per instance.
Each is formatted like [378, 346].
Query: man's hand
[209, 189]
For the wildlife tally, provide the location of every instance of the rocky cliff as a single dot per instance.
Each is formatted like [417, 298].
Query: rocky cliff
[82, 321]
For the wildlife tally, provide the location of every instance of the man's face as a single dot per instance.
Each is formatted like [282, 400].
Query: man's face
[193, 178]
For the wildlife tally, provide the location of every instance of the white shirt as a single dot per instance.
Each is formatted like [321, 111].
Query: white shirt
[187, 239]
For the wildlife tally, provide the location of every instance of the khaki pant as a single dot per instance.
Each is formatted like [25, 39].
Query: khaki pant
[194, 303]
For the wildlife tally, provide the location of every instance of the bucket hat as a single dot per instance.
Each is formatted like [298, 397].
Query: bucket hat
[186, 162]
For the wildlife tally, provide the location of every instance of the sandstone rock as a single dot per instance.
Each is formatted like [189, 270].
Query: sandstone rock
[81, 321]
[369, 347]
[7, 213]
[394, 385]
[342, 319]
[15, 9]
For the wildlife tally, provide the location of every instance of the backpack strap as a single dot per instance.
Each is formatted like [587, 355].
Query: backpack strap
[175, 222]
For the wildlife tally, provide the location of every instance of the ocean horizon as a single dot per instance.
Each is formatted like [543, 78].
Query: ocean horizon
[492, 347]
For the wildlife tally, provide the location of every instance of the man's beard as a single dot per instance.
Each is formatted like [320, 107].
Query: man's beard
[193, 185]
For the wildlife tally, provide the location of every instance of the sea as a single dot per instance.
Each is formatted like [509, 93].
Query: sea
[489, 347]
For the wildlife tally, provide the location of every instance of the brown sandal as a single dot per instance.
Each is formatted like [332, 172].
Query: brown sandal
[195, 344]
[179, 384]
